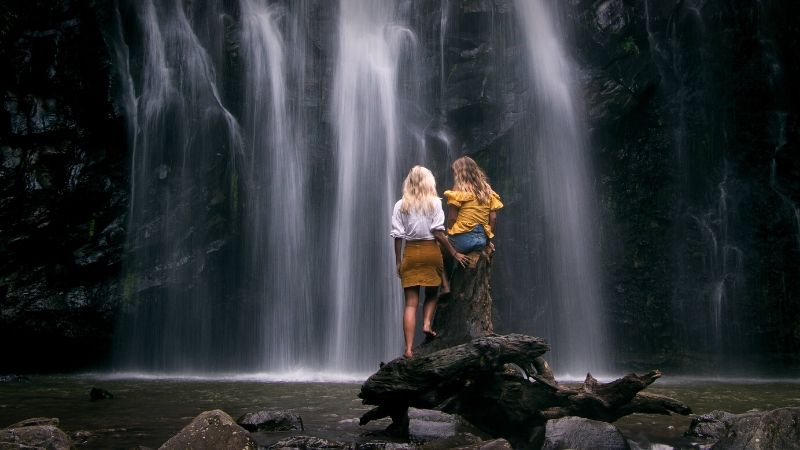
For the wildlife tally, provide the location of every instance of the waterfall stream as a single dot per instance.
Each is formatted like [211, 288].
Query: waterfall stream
[366, 122]
[265, 163]
[276, 183]
[556, 156]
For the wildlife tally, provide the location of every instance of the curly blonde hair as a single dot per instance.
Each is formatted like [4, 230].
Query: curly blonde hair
[419, 191]
[468, 177]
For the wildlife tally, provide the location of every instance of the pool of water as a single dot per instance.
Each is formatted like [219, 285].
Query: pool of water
[147, 411]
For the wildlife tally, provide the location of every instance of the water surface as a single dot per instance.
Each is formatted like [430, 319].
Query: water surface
[148, 411]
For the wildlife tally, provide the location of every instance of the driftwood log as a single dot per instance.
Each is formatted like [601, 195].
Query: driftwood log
[499, 383]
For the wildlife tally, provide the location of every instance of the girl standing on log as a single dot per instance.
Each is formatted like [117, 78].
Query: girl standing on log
[471, 216]
[418, 222]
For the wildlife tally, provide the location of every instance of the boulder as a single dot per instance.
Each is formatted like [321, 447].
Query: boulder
[383, 445]
[211, 430]
[34, 421]
[495, 444]
[761, 430]
[47, 437]
[711, 426]
[13, 378]
[427, 425]
[100, 394]
[308, 443]
[265, 420]
[579, 433]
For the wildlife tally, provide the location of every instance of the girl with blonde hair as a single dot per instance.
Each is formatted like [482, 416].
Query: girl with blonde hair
[418, 222]
[471, 216]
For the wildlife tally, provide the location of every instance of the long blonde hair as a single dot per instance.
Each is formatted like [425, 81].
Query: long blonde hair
[468, 177]
[419, 191]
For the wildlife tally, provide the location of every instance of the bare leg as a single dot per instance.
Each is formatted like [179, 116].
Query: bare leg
[410, 317]
[445, 284]
[428, 310]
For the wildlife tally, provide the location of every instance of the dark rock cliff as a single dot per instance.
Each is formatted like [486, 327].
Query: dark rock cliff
[63, 192]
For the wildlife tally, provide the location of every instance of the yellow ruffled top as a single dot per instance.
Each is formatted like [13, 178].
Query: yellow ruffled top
[470, 212]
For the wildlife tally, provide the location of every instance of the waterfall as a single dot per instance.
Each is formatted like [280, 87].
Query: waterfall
[555, 154]
[365, 292]
[262, 187]
[723, 261]
[276, 182]
[179, 129]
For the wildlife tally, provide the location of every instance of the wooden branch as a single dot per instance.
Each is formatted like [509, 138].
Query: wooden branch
[471, 380]
[426, 381]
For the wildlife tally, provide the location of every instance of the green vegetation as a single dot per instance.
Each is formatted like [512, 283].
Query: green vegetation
[128, 287]
[629, 46]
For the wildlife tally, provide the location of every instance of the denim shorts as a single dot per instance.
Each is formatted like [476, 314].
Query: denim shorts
[472, 240]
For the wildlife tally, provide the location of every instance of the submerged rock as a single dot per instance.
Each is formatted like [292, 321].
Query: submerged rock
[580, 433]
[13, 378]
[762, 430]
[308, 443]
[47, 437]
[211, 430]
[100, 394]
[271, 421]
[383, 445]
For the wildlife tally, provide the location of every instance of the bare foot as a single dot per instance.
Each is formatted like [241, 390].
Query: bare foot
[430, 333]
[408, 354]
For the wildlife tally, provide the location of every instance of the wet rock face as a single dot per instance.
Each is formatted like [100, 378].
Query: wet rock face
[62, 188]
[441, 429]
[308, 443]
[271, 421]
[211, 430]
[683, 152]
[755, 430]
[577, 432]
[35, 433]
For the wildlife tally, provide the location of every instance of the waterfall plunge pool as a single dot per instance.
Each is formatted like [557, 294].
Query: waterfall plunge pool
[147, 410]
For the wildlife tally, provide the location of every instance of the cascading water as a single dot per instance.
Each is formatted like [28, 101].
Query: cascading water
[365, 292]
[781, 141]
[276, 180]
[707, 287]
[555, 155]
[723, 261]
[260, 242]
[178, 128]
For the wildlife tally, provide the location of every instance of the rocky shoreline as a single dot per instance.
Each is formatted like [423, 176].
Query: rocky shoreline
[429, 430]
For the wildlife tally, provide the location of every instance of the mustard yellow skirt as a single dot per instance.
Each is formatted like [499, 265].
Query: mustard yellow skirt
[422, 264]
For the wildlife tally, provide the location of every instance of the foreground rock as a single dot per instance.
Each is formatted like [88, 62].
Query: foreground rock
[308, 443]
[211, 430]
[762, 430]
[38, 433]
[580, 433]
[441, 430]
[35, 421]
[271, 421]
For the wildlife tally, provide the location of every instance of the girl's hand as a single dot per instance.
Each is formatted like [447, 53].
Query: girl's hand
[461, 258]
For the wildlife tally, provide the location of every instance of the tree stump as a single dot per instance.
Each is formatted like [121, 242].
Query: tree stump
[466, 313]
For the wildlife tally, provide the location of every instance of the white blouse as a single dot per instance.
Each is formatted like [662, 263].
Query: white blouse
[414, 226]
